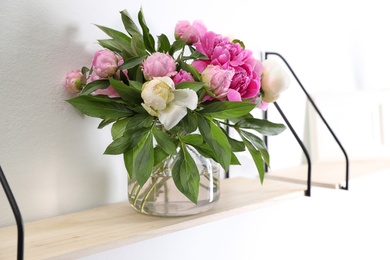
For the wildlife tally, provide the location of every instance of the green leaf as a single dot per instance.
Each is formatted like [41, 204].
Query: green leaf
[118, 128]
[164, 141]
[235, 120]
[139, 75]
[227, 110]
[190, 122]
[128, 93]
[192, 139]
[120, 38]
[234, 160]
[258, 143]
[128, 141]
[129, 24]
[103, 108]
[143, 159]
[205, 150]
[136, 85]
[123, 77]
[195, 86]
[84, 70]
[111, 45]
[163, 44]
[128, 158]
[140, 110]
[95, 85]
[106, 122]
[148, 38]
[239, 42]
[139, 120]
[262, 126]
[132, 62]
[237, 146]
[137, 46]
[186, 175]
[216, 138]
[177, 45]
[257, 159]
[159, 155]
[114, 34]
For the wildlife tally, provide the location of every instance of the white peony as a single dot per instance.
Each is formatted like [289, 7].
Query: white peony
[274, 80]
[170, 105]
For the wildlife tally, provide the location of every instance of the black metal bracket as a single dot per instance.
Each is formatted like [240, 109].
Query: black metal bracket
[16, 211]
[308, 189]
[320, 115]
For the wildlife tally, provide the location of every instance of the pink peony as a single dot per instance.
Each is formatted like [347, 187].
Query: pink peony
[209, 41]
[217, 80]
[110, 91]
[105, 63]
[158, 65]
[191, 33]
[182, 76]
[231, 56]
[74, 81]
[245, 82]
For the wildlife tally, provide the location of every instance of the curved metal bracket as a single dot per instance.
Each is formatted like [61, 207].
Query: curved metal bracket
[308, 189]
[321, 116]
[18, 216]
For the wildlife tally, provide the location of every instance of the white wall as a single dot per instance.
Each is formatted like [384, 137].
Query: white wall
[52, 155]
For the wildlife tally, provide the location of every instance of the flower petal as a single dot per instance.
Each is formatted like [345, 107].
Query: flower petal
[166, 80]
[149, 109]
[233, 95]
[172, 115]
[185, 98]
[200, 65]
[263, 105]
[252, 90]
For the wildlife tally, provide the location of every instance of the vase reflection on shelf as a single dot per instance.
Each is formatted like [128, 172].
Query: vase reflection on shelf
[159, 196]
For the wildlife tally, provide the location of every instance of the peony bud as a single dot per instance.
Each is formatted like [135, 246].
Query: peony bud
[217, 80]
[274, 81]
[182, 76]
[105, 63]
[74, 81]
[190, 33]
[158, 65]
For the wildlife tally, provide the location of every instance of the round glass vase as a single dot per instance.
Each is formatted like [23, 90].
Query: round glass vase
[159, 196]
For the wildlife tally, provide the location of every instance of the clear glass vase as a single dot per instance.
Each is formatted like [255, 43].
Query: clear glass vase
[159, 196]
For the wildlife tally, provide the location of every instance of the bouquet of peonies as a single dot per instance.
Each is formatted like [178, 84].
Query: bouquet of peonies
[162, 98]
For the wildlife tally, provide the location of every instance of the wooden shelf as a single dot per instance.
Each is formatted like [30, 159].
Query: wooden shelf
[79, 234]
[330, 174]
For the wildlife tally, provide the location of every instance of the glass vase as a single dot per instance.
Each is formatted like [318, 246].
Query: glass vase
[159, 196]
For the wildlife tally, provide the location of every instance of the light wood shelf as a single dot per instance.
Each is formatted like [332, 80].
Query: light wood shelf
[330, 174]
[95, 230]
